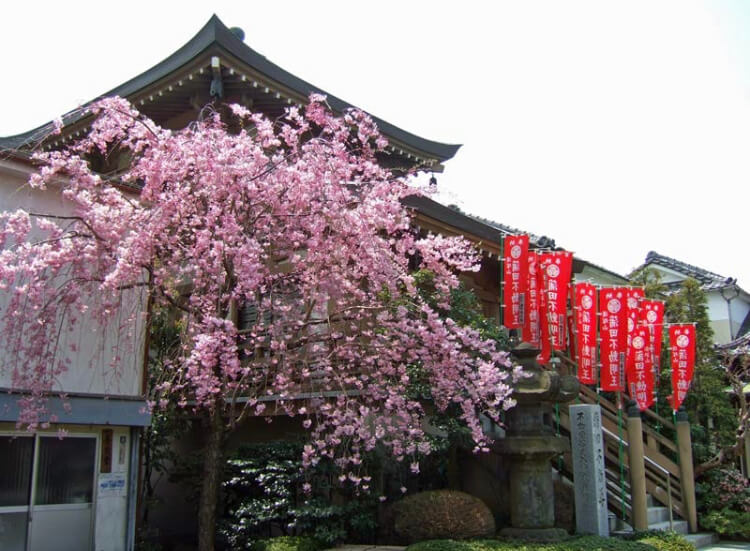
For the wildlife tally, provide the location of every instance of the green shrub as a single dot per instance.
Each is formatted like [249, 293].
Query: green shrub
[650, 541]
[448, 545]
[263, 496]
[592, 543]
[442, 514]
[665, 541]
[287, 543]
[723, 489]
[727, 523]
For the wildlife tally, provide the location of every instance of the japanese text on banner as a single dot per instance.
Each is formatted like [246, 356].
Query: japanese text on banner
[515, 279]
[613, 335]
[682, 351]
[557, 269]
[585, 316]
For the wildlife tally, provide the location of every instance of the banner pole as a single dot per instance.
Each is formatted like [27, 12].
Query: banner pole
[620, 454]
[501, 262]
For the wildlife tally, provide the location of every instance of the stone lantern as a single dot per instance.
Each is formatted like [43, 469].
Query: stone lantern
[530, 443]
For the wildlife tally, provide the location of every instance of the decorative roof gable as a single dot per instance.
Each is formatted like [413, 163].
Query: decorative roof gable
[186, 79]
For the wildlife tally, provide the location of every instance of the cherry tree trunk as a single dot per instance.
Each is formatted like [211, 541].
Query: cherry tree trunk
[212, 458]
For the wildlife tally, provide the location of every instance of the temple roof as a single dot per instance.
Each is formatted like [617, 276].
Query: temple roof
[688, 270]
[184, 79]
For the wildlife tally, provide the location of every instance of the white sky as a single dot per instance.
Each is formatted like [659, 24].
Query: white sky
[613, 127]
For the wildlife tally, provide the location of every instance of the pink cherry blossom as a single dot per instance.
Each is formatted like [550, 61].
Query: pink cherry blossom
[293, 218]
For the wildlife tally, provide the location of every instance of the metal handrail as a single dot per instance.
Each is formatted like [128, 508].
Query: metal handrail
[655, 464]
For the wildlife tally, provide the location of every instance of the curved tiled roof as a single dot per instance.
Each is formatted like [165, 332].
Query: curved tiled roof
[702, 275]
[216, 36]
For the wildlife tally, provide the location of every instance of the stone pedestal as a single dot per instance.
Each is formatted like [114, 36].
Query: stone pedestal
[530, 443]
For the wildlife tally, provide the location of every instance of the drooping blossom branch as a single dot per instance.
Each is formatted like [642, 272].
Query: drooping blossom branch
[285, 250]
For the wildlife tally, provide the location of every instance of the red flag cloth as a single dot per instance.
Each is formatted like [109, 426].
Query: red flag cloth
[613, 335]
[641, 375]
[557, 269]
[544, 337]
[682, 351]
[531, 329]
[585, 319]
[515, 279]
[652, 316]
[634, 295]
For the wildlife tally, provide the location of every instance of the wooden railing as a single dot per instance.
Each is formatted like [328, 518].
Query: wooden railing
[662, 471]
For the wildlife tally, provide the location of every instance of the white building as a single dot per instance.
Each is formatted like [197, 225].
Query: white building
[75, 493]
[728, 303]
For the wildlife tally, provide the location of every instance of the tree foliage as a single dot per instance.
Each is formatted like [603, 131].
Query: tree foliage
[714, 420]
[707, 402]
[284, 249]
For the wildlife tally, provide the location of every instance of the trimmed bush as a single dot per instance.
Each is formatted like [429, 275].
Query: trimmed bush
[442, 514]
[287, 543]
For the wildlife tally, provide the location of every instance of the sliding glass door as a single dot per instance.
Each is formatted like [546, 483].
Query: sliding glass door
[47, 492]
[16, 461]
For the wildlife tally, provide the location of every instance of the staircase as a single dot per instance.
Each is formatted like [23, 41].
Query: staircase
[666, 503]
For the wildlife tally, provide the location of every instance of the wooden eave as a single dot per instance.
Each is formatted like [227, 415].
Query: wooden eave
[437, 218]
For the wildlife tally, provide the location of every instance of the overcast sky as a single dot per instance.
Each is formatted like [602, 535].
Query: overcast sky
[613, 127]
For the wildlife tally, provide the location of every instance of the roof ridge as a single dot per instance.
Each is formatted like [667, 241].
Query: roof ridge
[688, 269]
[540, 240]
[215, 34]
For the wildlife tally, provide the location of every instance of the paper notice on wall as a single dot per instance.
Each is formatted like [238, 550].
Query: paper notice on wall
[112, 485]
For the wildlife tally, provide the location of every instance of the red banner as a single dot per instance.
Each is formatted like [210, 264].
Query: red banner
[652, 317]
[613, 333]
[640, 374]
[531, 328]
[557, 269]
[633, 295]
[682, 351]
[585, 316]
[515, 278]
[544, 336]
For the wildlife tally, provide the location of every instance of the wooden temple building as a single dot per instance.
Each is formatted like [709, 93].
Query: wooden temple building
[98, 510]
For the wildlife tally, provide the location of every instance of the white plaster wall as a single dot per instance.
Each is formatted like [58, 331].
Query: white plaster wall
[668, 276]
[740, 310]
[717, 306]
[90, 370]
[590, 274]
[718, 313]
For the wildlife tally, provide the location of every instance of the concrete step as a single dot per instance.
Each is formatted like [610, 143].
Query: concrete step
[702, 539]
[679, 526]
[657, 514]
